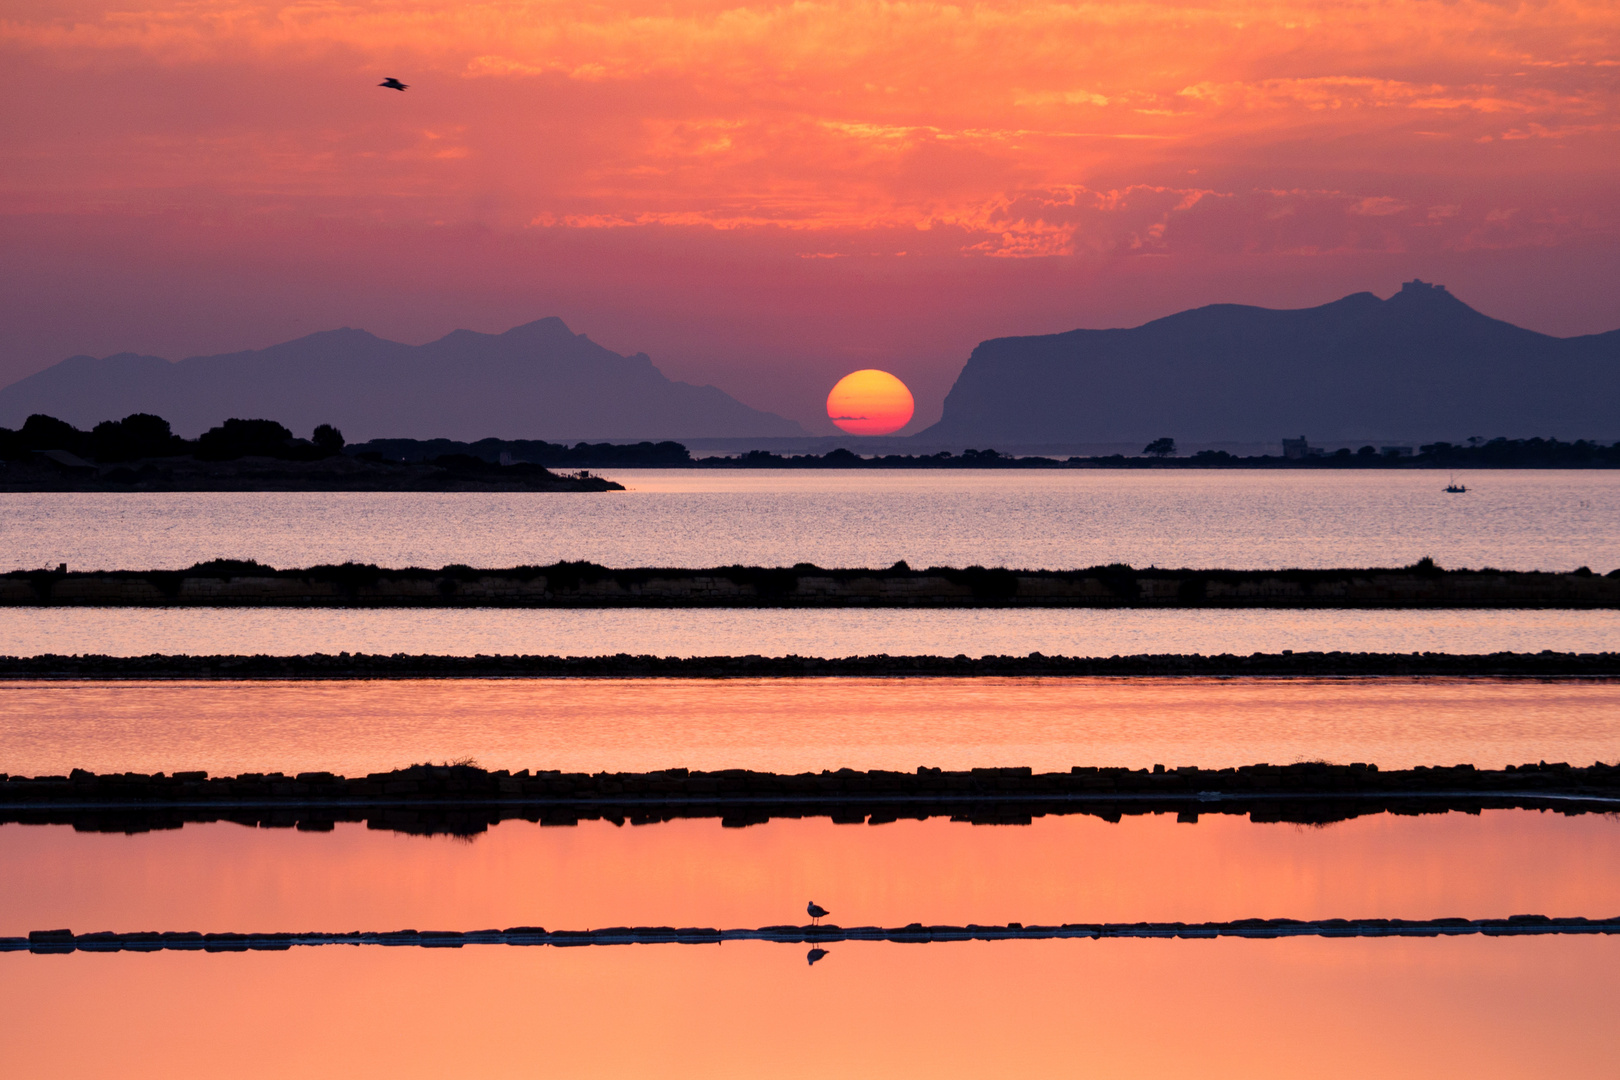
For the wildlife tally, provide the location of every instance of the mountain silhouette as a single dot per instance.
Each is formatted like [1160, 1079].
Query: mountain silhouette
[1421, 365]
[535, 381]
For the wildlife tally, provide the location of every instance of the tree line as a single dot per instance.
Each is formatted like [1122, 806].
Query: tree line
[142, 435]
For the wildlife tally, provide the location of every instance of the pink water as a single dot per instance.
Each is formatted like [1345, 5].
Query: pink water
[1464, 1008]
[1516, 520]
[796, 725]
[1473, 1008]
[1449, 1008]
[839, 632]
[694, 872]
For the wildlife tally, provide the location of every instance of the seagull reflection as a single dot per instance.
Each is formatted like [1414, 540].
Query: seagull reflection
[813, 955]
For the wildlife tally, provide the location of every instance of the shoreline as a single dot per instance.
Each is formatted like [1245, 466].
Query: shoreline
[244, 583]
[65, 941]
[466, 799]
[362, 666]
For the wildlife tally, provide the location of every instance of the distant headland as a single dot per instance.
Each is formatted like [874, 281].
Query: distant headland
[1358, 370]
[142, 453]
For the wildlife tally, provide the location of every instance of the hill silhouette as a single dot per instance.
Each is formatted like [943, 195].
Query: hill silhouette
[1419, 366]
[539, 380]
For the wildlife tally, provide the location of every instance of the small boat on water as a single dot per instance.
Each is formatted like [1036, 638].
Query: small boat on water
[1455, 488]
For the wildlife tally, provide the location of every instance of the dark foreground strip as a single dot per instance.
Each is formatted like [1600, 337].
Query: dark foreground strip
[234, 583]
[1542, 665]
[462, 799]
[63, 941]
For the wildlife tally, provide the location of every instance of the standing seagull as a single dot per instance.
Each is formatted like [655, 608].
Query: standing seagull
[816, 911]
[393, 83]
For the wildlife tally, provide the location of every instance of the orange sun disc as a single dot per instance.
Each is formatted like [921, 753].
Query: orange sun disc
[870, 402]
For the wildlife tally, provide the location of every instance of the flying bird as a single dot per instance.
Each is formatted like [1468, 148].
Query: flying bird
[392, 83]
[816, 911]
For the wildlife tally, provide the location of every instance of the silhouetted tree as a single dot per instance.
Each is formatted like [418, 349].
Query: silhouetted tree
[139, 435]
[328, 439]
[244, 438]
[1160, 447]
[41, 432]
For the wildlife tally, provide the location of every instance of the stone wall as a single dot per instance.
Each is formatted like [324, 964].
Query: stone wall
[573, 586]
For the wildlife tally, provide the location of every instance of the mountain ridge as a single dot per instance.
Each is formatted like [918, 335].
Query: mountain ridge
[1420, 365]
[535, 380]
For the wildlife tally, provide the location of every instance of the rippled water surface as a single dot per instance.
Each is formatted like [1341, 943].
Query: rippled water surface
[794, 725]
[1544, 519]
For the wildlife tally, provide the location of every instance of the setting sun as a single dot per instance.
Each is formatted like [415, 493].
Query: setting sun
[870, 402]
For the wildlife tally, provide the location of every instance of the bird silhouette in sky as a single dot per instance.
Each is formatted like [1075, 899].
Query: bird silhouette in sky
[816, 912]
[392, 83]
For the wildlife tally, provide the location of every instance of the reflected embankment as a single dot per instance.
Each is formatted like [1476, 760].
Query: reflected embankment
[61, 941]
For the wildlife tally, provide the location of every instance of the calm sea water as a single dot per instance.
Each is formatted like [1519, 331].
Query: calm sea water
[1210, 1009]
[1555, 520]
[1402, 1008]
[224, 877]
[1325, 1008]
[735, 632]
[1329, 1009]
[794, 725]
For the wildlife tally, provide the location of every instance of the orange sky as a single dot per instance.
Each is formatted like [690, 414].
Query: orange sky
[768, 196]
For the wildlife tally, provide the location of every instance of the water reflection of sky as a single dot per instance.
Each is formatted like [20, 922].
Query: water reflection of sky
[693, 872]
[795, 725]
[1474, 1007]
[1256, 1010]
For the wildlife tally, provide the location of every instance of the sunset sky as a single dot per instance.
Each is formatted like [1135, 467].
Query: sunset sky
[769, 196]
